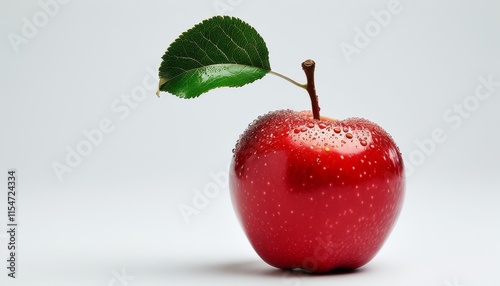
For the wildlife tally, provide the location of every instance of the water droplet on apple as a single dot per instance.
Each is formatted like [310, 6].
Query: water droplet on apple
[346, 129]
[296, 130]
[362, 142]
[310, 125]
[348, 135]
[303, 129]
[336, 130]
[322, 125]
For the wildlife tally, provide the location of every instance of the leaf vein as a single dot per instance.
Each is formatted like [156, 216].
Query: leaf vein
[205, 52]
[189, 58]
[236, 44]
[216, 46]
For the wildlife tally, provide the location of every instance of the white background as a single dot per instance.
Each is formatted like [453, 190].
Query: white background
[117, 212]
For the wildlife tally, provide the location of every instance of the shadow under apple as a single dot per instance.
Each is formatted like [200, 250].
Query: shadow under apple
[260, 268]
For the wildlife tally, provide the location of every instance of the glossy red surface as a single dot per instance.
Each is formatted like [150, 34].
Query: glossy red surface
[316, 195]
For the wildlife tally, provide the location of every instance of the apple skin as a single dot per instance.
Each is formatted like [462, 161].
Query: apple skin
[316, 195]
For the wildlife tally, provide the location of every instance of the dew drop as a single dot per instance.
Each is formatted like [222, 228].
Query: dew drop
[346, 129]
[348, 135]
[303, 129]
[336, 130]
[296, 130]
[322, 125]
[310, 125]
[362, 142]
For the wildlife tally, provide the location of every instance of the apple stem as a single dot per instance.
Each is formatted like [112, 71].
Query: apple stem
[308, 67]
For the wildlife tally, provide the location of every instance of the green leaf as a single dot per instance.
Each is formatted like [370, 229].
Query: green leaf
[218, 52]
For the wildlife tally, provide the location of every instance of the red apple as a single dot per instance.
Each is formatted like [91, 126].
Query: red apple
[316, 195]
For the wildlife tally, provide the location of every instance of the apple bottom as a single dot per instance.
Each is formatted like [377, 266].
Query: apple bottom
[317, 229]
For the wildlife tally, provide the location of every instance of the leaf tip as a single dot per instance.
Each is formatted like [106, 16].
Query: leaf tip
[160, 84]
